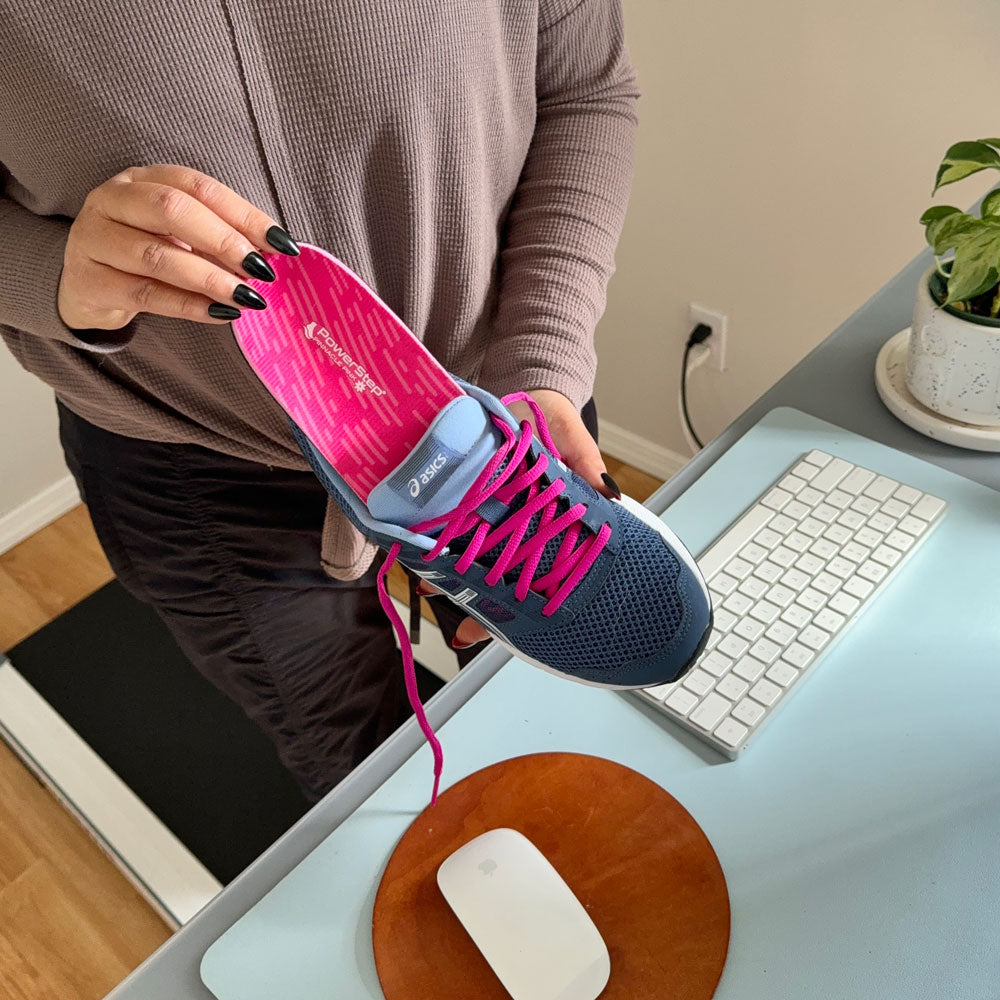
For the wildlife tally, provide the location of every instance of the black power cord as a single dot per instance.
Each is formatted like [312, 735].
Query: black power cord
[699, 334]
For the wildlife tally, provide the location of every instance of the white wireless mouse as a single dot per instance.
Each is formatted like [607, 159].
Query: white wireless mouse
[524, 918]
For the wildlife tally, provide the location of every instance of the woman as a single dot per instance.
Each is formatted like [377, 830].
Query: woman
[471, 161]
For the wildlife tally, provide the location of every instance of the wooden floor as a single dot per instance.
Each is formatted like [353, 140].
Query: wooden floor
[71, 925]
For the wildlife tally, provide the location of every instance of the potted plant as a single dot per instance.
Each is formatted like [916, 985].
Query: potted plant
[953, 359]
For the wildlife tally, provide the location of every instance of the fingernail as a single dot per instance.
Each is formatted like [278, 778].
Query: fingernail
[219, 310]
[257, 267]
[281, 241]
[611, 485]
[246, 296]
[455, 644]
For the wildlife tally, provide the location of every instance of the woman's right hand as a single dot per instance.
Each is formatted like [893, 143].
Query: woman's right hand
[168, 240]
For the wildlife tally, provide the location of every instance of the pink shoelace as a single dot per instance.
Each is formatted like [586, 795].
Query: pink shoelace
[571, 563]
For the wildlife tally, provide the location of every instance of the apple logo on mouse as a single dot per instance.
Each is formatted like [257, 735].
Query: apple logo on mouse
[488, 867]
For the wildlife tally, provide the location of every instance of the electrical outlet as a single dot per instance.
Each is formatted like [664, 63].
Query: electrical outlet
[716, 344]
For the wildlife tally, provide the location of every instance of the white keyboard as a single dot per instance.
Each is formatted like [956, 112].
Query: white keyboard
[787, 579]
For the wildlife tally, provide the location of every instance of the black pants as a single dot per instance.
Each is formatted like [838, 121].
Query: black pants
[227, 552]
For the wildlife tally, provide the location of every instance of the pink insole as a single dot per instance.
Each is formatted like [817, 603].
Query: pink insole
[342, 365]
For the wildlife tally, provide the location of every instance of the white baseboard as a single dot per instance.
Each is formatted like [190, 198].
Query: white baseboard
[639, 452]
[172, 879]
[37, 512]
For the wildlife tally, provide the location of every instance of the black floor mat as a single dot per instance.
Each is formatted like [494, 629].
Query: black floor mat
[111, 669]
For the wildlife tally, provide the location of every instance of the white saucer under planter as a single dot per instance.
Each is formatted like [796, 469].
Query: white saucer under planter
[890, 381]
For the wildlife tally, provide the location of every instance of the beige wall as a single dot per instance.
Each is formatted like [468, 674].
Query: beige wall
[786, 150]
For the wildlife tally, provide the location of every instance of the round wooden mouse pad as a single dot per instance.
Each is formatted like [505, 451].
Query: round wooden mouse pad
[631, 853]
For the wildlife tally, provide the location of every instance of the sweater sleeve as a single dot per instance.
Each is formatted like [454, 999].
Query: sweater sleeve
[29, 279]
[567, 212]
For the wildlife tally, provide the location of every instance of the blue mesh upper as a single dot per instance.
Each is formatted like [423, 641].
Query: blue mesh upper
[629, 620]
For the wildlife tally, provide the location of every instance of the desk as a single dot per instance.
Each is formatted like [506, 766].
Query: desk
[835, 382]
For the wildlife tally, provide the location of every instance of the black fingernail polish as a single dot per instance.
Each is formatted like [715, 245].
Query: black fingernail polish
[246, 296]
[611, 485]
[219, 310]
[257, 267]
[281, 241]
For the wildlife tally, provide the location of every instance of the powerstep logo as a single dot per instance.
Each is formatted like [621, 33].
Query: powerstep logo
[363, 382]
[429, 472]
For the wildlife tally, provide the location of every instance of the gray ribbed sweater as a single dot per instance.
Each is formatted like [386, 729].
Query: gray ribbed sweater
[470, 159]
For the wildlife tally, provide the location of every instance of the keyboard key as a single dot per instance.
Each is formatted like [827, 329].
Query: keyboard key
[806, 471]
[851, 519]
[776, 498]
[798, 655]
[814, 638]
[829, 620]
[660, 692]
[782, 673]
[748, 712]
[753, 553]
[809, 563]
[739, 568]
[782, 633]
[824, 512]
[881, 522]
[749, 669]
[820, 458]
[826, 583]
[856, 480]
[831, 475]
[927, 507]
[732, 687]
[765, 611]
[796, 510]
[768, 538]
[699, 681]
[766, 692]
[913, 525]
[844, 604]
[780, 594]
[681, 701]
[748, 628]
[895, 508]
[765, 651]
[837, 534]
[797, 616]
[908, 495]
[792, 484]
[867, 537]
[783, 557]
[798, 542]
[730, 732]
[841, 568]
[881, 489]
[724, 620]
[887, 556]
[781, 524]
[873, 571]
[768, 571]
[733, 646]
[711, 712]
[838, 499]
[753, 586]
[812, 599]
[723, 583]
[864, 505]
[715, 557]
[713, 640]
[716, 599]
[811, 527]
[856, 553]
[824, 548]
[738, 604]
[899, 540]
[795, 579]
[810, 497]
[715, 663]
[859, 587]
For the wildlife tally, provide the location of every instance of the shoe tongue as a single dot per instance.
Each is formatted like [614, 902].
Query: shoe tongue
[439, 471]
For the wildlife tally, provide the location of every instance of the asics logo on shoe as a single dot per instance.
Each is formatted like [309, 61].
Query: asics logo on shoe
[363, 382]
[429, 472]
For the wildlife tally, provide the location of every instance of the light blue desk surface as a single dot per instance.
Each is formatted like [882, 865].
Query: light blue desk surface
[860, 834]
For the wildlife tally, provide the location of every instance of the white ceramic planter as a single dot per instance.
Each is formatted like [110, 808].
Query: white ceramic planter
[953, 363]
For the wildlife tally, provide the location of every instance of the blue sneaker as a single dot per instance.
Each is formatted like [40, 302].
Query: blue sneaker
[439, 473]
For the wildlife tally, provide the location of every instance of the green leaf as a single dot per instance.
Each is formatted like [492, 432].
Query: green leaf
[991, 142]
[991, 205]
[939, 212]
[964, 159]
[945, 234]
[976, 267]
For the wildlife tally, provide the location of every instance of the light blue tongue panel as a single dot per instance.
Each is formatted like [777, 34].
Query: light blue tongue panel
[439, 471]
